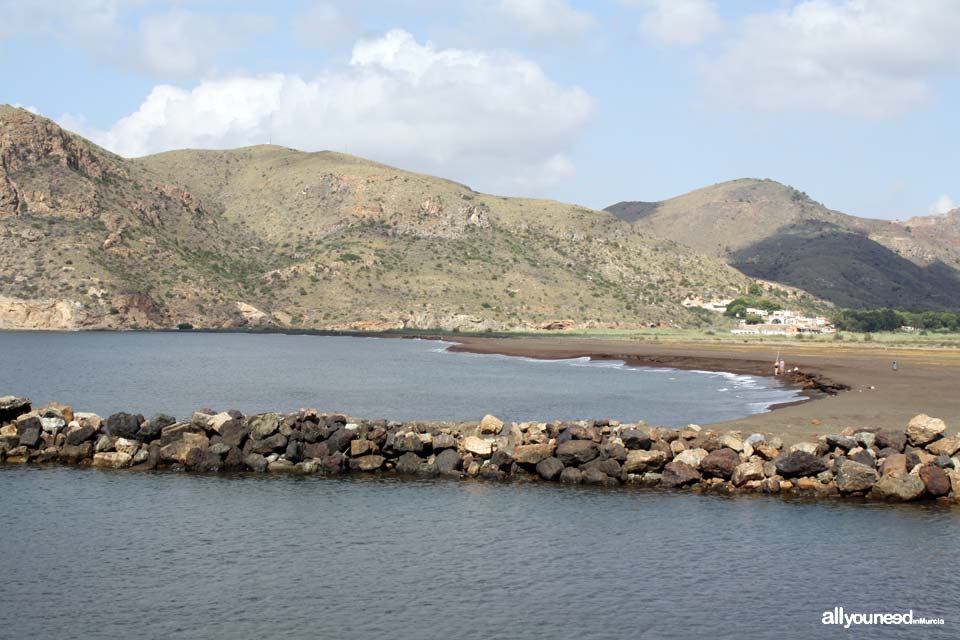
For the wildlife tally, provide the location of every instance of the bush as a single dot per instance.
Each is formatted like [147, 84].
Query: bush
[184, 326]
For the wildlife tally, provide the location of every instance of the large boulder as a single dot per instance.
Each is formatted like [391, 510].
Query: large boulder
[76, 453]
[234, 433]
[272, 444]
[112, 460]
[549, 468]
[692, 457]
[490, 424]
[642, 461]
[797, 464]
[895, 464]
[448, 462]
[339, 440]
[678, 474]
[123, 425]
[945, 446]
[368, 462]
[577, 452]
[923, 430]
[747, 472]
[408, 463]
[635, 439]
[571, 475]
[854, 476]
[12, 407]
[720, 463]
[29, 429]
[255, 462]
[935, 479]
[532, 454]
[263, 425]
[443, 441]
[478, 446]
[891, 440]
[898, 487]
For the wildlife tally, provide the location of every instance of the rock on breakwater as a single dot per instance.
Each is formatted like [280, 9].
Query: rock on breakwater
[916, 463]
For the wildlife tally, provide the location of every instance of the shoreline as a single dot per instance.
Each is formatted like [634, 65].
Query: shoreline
[845, 385]
[918, 463]
[870, 393]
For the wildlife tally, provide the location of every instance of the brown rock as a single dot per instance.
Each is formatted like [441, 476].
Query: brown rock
[641, 461]
[720, 463]
[533, 454]
[935, 480]
[678, 474]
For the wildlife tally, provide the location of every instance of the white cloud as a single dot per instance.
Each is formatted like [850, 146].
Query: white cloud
[943, 204]
[491, 118]
[324, 26]
[679, 22]
[545, 19]
[173, 44]
[183, 44]
[870, 58]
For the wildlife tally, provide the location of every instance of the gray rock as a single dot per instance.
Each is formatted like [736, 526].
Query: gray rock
[549, 468]
[854, 476]
[571, 475]
[263, 426]
[448, 462]
[443, 441]
[123, 425]
[255, 462]
[339, 440]
[577, 452]
[408, 464]
[272, 444]
[898, 487]
[79, 433]
[843, 442]
[76, 453]
[798, 464]
[635, 439]
[29, 429]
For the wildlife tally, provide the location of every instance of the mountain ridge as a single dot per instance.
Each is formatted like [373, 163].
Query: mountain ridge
[269, 236]
[773, 231]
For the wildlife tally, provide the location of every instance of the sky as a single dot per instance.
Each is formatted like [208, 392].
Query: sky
[852, 101]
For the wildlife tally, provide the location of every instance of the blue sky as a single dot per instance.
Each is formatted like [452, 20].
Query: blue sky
[589, 102]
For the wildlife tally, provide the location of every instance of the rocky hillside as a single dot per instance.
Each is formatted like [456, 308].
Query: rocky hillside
[772, 231]
[272, 236]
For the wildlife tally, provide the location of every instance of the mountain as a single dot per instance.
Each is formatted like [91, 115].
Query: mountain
[772, 231]
[272, 236]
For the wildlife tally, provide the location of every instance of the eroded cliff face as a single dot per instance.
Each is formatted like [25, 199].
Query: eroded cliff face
[40, 314]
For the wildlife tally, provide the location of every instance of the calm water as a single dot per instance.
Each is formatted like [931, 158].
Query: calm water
[94, 554]
[178, 373]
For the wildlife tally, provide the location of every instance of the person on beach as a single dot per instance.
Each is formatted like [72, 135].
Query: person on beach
[783, 367]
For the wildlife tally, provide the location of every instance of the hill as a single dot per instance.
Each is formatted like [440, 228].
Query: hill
[772, 231]
[272, 236]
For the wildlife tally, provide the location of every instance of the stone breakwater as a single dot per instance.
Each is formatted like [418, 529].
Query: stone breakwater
[917, 463]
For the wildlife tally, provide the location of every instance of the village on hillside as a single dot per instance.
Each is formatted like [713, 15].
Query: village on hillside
[760, 321]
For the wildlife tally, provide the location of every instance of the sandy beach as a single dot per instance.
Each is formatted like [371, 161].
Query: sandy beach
[926, 380]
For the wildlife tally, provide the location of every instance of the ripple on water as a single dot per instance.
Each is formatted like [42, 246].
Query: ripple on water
[98, 554]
